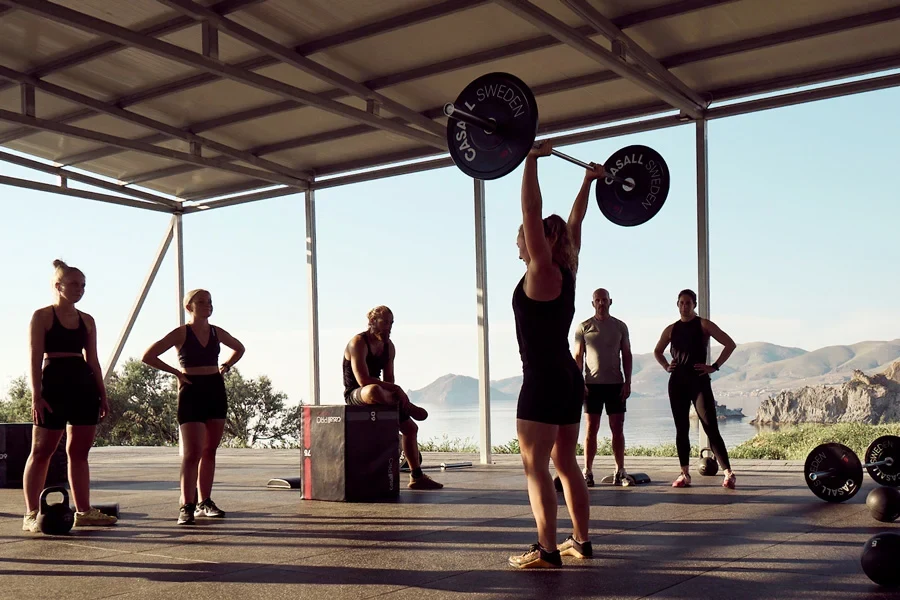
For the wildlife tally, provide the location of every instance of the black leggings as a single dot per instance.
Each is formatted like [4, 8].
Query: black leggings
[696, 391]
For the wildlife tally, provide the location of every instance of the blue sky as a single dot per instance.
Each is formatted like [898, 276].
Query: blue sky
[804, 212]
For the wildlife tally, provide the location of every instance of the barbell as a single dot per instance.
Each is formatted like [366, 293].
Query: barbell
[492, 126]
[834, 472]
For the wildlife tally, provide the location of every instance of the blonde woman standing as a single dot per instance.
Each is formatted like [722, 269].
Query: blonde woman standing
[67, 393]
[202, 403]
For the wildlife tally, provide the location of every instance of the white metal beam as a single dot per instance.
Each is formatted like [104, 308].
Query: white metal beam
[67, 191]
[179, 266]
[103, 138]
[31, 82]
[703, 291]
[139, 302]
[312, 281]
[586, 11]
[568, 35]
[481, 304]
[297, 60]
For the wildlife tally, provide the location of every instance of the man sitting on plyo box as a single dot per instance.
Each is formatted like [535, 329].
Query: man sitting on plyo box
[365, 357]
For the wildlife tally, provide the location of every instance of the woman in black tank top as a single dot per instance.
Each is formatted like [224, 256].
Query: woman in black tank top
[549, 407]
[202, 402]
[67, 391]
[689, 383]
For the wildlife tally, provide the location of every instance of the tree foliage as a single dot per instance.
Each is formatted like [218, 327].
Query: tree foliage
[143, 404]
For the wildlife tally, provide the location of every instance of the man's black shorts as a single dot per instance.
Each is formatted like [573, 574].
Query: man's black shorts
[604, 394]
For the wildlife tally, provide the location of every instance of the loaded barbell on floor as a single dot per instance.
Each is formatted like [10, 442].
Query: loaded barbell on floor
[834, 472]
[493, 125]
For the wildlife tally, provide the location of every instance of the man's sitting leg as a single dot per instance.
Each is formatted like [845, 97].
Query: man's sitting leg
[417, 479]
[377, 394]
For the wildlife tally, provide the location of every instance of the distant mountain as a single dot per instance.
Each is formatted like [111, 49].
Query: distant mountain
[457, 391]
[755, 370]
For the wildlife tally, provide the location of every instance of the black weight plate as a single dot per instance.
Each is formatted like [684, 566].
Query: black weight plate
[882, 448]
[846, 472]
[635, 206]
[505, 99]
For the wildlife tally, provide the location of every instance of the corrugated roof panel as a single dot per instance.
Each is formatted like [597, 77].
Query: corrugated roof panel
[27, 41]
[806, 55]
[230, 49]
[361, 146]
[197, 180]
[289, 23]
[51, 146]
[130, 13]
[742, 20]
[128, 164]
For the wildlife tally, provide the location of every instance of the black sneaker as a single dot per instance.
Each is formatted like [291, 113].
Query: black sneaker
[589, 479]
[571, 547]
[208, 508]
[536, 558]
[186, 514]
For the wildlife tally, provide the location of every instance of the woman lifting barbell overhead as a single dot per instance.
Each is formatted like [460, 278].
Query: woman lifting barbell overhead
[689, 382]
[202, 402]
[548, 414]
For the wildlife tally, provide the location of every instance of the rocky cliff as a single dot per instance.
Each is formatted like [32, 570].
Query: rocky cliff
[871, 399]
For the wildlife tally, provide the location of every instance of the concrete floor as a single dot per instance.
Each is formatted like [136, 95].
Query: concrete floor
[770, 538]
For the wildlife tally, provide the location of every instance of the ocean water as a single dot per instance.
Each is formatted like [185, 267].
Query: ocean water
[646, 424]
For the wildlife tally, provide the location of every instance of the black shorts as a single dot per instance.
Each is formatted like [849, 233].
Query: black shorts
[608, 394]
[354, 398]
[553, 396]
[69, 387]
[203, 399]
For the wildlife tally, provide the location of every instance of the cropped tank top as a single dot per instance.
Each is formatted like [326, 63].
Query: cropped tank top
[542, 327]
[62, 339]
[193, 354]
[374, 363]
[688, 347]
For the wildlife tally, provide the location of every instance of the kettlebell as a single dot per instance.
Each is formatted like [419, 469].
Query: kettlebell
[55, 519]
[707, 465]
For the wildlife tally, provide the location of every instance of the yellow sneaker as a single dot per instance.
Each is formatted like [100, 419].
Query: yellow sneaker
[29, 522]
[93, 518]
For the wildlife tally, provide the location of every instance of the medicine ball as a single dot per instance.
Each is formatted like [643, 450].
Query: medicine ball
[884, 504]
[55, 519]
[707, 465]
[880, 557]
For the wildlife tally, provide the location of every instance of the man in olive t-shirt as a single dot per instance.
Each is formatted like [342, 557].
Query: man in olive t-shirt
[599, 341]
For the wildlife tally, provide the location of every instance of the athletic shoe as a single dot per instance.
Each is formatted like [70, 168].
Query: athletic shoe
[729, 482]
[536, 558]
[424, 483]
[621, 478]
[572, 547]
[681, 481]
[93, 518]
[589, 479]
[29, 522]
[557, 483]
[186, 514]
[208, 508]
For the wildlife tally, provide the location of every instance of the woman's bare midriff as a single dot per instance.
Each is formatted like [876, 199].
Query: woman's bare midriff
[200, 370]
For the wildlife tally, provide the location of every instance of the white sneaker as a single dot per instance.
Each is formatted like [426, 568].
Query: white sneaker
[29, 522]
[93, 518]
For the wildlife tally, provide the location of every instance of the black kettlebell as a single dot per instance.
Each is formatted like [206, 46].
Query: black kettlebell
[55, 519]
[707, 465]
[884, 504]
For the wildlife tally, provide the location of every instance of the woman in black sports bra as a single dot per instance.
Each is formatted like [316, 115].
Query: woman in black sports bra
[202, 403]
[689, 383]
[548, 415]
[67, 394]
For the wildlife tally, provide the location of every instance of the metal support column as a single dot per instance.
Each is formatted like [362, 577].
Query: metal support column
[136, 309]
[179, 264]
[484, 371]
[312, 281]
[703, 237]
